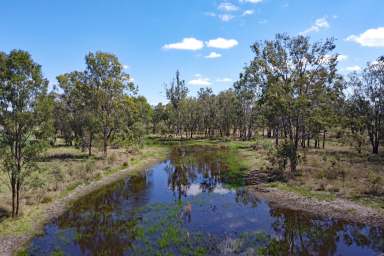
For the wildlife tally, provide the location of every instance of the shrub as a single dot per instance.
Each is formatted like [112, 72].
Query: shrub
[58, 176]
[112, 158]
[88, 169]
[38, 184]
[375, 184]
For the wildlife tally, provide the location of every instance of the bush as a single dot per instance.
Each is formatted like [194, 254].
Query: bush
[46, 199]
[88, 169]
[282, 155]
[38, 184]
[375, 184]
[58, 176]
[112, 158]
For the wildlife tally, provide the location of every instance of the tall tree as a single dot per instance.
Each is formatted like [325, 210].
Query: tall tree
[109, 83]
[292, 75]
[176, 92]
[369, 90]
[22, 87]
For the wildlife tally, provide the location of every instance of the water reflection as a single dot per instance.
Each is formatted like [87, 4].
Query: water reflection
[183, 205]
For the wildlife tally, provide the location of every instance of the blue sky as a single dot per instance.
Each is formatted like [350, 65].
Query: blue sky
[154, 38]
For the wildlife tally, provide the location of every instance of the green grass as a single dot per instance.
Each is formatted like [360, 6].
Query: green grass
[24, 224]
[303, 191]
[370, 201]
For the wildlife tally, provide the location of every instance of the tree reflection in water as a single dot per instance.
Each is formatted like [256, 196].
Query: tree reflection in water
[201, 165]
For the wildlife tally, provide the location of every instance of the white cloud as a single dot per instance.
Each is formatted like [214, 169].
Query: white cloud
[222, 43]
[355, 68]
[321, 23]
[189, 43]
[213, 55]
[251, 1]
[226, 17]
[248, 12]
[199, 80]
[227, 7]
[373, 37]
[224, 80]
[342, 57]
[126, 66]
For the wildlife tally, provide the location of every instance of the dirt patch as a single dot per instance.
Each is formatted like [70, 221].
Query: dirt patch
[10, 244]
[338, 208]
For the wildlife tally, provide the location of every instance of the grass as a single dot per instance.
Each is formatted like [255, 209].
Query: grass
[303, 191]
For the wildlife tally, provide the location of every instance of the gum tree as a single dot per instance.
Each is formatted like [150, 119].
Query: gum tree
[22, 119]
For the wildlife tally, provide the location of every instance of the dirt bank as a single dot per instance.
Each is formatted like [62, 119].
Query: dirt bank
[338, 208]
[10, 244]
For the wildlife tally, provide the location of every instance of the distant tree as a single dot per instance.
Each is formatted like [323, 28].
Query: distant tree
[176, 92]
[22, 120]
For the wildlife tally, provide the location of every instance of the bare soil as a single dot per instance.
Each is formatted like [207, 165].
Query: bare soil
[337, 209]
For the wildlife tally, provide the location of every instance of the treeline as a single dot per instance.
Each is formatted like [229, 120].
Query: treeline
[291, 90]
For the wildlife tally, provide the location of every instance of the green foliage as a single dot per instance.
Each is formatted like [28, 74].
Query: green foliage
[375, 184]
[24, 114]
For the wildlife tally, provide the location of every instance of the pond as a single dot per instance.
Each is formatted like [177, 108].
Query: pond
[192, 204]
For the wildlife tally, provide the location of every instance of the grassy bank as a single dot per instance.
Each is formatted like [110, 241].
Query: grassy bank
[39, 205]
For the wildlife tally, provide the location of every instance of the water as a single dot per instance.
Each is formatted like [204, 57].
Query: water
[188, 206]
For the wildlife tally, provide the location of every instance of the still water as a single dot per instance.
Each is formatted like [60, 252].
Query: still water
[187, 205]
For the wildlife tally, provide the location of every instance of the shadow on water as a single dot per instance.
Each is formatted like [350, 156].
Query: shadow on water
[188, 205]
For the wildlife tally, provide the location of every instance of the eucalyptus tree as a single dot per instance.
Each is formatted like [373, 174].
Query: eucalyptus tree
[291, 74]
[206, 100]
[22, 118]
[369, 92]
[159, 118]
[226, 111]
[246, 89]
[108, 84]
[176, 92]
[75, 106]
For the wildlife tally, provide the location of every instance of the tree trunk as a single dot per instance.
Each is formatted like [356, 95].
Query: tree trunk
[90, 144]
[105, 143]
[276, 133]
[375, 148]
[13, 200]
[324, 132]
[17, 198]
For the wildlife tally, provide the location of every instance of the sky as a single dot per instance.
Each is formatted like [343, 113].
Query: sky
[207, 40]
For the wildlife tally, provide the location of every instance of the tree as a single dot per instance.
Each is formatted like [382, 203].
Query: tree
[292, 77]
[109, 83]
[75, 106]
[369, 92]
[22, 85]
[176, 92]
